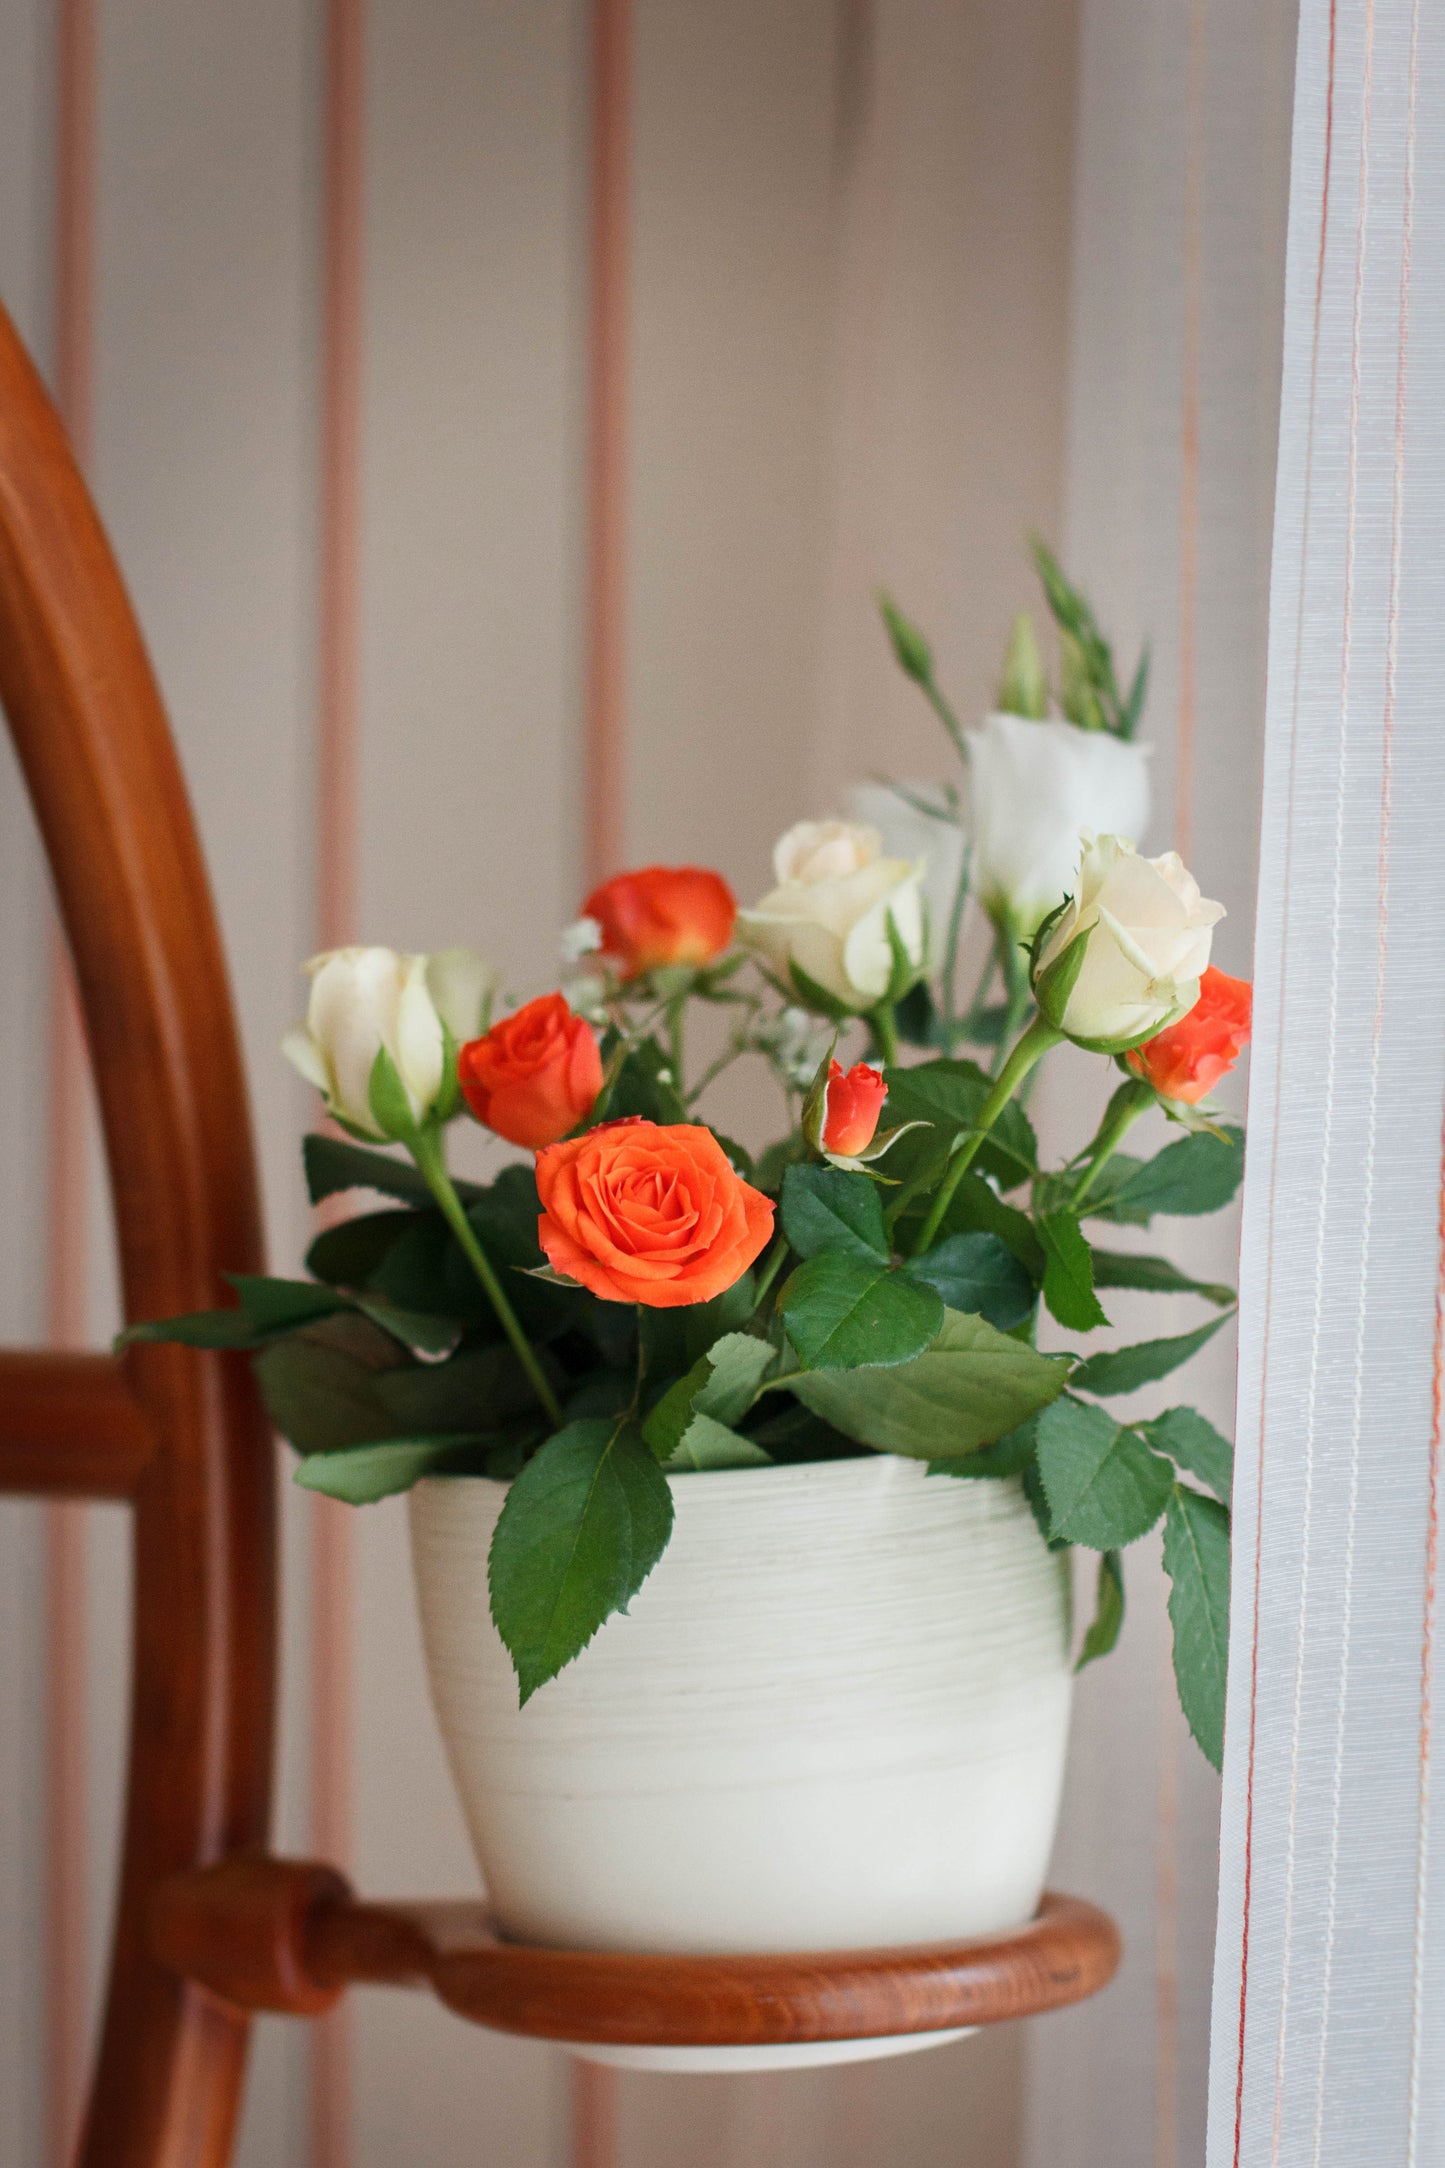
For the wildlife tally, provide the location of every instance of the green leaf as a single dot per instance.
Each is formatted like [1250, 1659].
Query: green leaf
[583, 1525]
[476, 1390]
[775, 1159]
[975, 1207]
[976, 1272]
[360, 1474]
[1103, 1199]
[283, 1305]
[332, 1166]
[1108, 1619]
[971, 1387]
[825, 1208]
[319, 1397]
[673, 1340]
[413, 1328]
[1195, 1446]
[843, 1308]
[1104, 1485]
[1196, 1559]
[1198, 1174]
[227, 1329]
[1125, 1369]
[347, 1255]
[707, 1443]
[1156, 1276]
[1009, 1455]
[948, 1095]
[721, 1385]
[1068, 1273]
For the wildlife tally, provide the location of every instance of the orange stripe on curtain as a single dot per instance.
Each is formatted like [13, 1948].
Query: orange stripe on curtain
[332, 1566]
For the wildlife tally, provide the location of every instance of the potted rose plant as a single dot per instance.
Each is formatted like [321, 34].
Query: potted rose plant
[743, 1496]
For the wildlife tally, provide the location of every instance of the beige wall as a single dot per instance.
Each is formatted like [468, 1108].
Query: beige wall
[851, 363]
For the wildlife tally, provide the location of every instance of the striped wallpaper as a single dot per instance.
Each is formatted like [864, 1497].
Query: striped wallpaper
[503, 413]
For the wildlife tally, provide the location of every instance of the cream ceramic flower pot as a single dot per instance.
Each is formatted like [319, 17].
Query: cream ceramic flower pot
[835, 1717]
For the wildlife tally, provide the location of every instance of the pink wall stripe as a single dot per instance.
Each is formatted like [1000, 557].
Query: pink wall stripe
[65, 1308]
[604, 822]
[604, 763]
[332, 1567]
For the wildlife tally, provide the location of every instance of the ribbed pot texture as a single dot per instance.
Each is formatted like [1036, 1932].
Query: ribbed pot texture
[835, 1717]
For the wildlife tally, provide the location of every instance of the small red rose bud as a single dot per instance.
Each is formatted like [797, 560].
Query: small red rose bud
[852, 1105]
[1188, 1059]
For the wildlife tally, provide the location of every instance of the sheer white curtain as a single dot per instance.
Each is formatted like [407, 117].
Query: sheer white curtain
[1179, 209]
[1328, 1988]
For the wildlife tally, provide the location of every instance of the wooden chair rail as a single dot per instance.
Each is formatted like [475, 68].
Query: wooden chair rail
[268, 1934]
[70, 1426]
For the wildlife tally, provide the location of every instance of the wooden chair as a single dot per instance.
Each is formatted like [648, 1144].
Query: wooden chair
[210, 1928]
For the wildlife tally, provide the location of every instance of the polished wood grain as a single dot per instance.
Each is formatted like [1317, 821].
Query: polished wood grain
[275, 1935]
[70, 1426]
[91, 737]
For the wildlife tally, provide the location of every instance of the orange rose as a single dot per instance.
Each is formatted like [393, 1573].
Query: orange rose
[534, 1076]
[853, 1101]
[663, 915]
[1188, 1059]
[641, 1213]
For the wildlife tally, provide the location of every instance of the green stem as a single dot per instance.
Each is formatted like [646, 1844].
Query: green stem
[1031, 1048]
[885, 1031]
[950, 951]
[1124, 1109]
[676, 1009]
[426, 1150]
[1016, 985]
[945, 715]
[771, 1267]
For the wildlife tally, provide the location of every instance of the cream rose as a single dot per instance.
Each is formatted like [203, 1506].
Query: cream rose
[1146, 932]
[363, 999]
[829, 912]
[1034, 787]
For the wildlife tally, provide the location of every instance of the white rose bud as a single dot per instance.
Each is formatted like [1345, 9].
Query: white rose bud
[1145, 932]
[1033, 789]
[829, 913]
[363, 999]
[910, 827]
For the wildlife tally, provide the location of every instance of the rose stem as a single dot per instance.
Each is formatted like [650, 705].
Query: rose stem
[426, 1150]
[1034, 1044]
[676, 1008]
[769, 1272]
[1016, 982]
[950, 951]
[1130, 1101]
[885, 1031]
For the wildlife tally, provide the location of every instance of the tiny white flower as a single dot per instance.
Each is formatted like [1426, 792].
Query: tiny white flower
[582, 938]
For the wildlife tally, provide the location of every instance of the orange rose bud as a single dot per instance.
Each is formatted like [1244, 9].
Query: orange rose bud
[663, 915]
[851, 1107]
[1188, 1059]
[535, 1075]
[641, 1213]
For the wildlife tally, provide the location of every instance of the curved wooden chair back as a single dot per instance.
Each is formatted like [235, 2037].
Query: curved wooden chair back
[182, 1438]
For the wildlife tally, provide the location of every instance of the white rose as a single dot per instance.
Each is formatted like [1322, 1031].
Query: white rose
[1033, 789]
[363, 999]
[1147, 933]
[830, 910]
[909, 831]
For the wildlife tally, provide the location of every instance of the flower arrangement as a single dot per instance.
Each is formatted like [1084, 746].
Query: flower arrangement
[644, 1298]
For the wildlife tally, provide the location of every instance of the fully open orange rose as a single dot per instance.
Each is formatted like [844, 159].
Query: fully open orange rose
[641, 1213]
[535, 1075]
[1188, 1059]
[663, 915]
